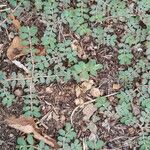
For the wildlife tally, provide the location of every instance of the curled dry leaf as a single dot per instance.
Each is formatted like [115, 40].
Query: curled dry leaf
[80, 52]
[15, 22]
[28, 125]
[16, 49]
[95, 92]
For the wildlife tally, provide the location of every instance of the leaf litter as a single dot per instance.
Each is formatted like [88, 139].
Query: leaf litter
[27, 125]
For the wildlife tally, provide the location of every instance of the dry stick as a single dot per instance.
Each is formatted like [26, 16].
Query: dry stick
[124, 137]
[32, 71]
[2, 6]
[86, 103]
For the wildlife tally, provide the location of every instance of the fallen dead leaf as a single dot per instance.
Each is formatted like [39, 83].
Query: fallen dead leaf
[95, 92]
[15, 22]
[116, 86]
[28, 125]
[16, 49]
[78, 91]
[86, 85]
[88, 111]
[80, 52]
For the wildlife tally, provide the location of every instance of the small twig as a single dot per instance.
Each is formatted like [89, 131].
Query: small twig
[6, 9]
[86, 103]
[83, 144]
[124, 137]
[20, 65]
[1, 6]
[32, 71]
[41, 121]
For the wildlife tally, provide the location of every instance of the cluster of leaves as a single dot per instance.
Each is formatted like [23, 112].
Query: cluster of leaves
[124, 109]
[4, 23]
[95, 145]
[31, 106]
[5, 94]
[61, 62]
[67, 140]
[144, 142]
[84, 70]
[29, 144]
[102, 103]
[76, 18]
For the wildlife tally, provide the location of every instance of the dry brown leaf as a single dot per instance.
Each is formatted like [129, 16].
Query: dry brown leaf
[86, 85]
[16, 49]
[28, 125]
[116, 86]
[80, 52]
[95, 92]
[78, 91]
[15, 22]
[23, 124]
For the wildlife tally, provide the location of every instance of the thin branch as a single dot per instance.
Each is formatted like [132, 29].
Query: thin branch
[32, 71]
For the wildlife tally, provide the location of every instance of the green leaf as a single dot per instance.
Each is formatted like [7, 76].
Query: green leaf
[21, 141]
[33, 30]
[41, 145]
[30, 139]
[62, 132]
[84, 75]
